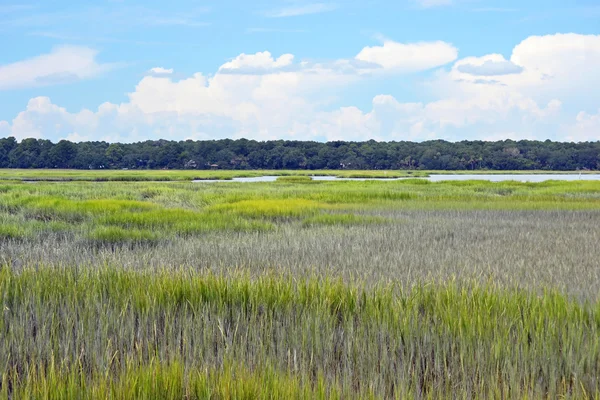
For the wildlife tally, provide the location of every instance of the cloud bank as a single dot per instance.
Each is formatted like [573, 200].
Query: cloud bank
[262, 96]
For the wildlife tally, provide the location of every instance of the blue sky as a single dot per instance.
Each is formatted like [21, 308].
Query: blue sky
[126, 70]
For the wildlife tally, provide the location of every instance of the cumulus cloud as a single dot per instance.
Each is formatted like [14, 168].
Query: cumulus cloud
[63, 64]
[586, 128]
[552, 64]
[257, 63]
[409, 57]
[262, 96]
[555, 54]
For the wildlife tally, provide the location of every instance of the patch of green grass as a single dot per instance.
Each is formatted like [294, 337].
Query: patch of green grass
[183, 221]
[365, 193]
[12, 232]
[44, 207]
[294, 179]
[111, 235]
[379, 174]
[171, 381]
[270, 208]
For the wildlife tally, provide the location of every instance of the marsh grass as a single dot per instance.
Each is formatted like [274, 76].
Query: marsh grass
[11, 232]
[173, 381]
[111, 235]
[382, 174]
[294, 179]
[59, 175]
[87, 332]
[271, 208]
[343, 220]
[398, 289]
[182, 221]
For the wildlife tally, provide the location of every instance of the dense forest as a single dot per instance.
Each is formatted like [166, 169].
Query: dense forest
[284, 154]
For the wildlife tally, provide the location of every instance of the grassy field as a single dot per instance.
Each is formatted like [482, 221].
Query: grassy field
[299, 289]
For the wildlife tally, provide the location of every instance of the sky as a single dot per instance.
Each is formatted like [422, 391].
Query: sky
[132, 70]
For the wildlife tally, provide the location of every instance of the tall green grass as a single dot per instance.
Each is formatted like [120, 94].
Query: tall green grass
[79, 333]
[173, 381]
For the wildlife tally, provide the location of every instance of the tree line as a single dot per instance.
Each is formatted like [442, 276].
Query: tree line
[287, 154]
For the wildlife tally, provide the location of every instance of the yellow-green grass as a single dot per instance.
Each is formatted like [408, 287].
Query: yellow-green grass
[270, 208]
[166, 209]
[174, 381]
[11, 232]
[83, 333]
[294, 179]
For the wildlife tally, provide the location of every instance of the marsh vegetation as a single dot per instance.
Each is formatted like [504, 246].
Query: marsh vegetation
[300, 289]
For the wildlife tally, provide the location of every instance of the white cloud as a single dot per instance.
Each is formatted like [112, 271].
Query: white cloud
[557, 54]
[409, 57]
[304, 9]
[262, 96]
[552, 64]
[585, 129]
[161, 71]
[262, 61]
[63, 64]
[446, 117]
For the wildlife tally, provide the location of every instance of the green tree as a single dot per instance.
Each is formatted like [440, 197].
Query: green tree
[114, 154]
[62, 154]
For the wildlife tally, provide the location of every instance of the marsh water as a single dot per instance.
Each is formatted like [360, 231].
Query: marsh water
[435, 178]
